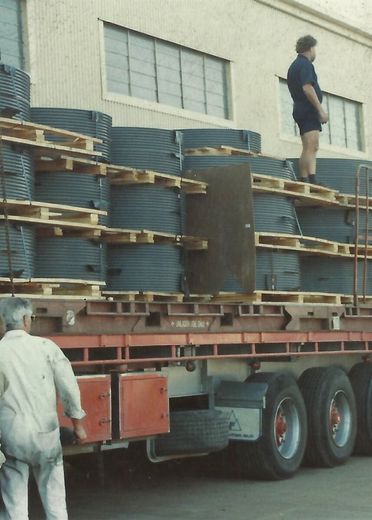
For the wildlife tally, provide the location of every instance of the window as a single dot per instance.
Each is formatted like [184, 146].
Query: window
[344, 128]
[149, 68]
[10, 33]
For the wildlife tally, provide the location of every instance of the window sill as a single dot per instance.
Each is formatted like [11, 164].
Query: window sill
[353, 154]
[167, 109]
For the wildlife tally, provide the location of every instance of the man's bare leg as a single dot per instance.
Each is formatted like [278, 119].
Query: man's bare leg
[307, 161]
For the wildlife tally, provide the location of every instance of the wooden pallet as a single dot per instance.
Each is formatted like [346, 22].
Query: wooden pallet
[348, 299]
[64, 163]
[304, 193]
[349, 201]
[50, 215]
[126, 175]
[51, 287]
[38, 136]
[309, 245]
[279, 297]
[42, 133]
[220, 150]
[144, 236]
[146, 296]
[227, 151]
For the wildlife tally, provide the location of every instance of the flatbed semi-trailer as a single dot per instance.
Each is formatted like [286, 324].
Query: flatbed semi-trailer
[278, 384]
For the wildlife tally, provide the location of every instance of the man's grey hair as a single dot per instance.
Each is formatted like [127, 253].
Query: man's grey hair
[13, 310]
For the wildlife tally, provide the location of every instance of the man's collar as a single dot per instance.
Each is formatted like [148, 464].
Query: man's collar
[15, 333]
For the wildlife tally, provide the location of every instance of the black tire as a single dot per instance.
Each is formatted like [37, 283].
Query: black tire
[194, 432]
[265, 458]
[361, 381]
[331, 416]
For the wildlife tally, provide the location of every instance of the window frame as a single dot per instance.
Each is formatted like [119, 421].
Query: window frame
[159, 106]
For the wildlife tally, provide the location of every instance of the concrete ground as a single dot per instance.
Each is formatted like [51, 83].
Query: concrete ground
[196, 490]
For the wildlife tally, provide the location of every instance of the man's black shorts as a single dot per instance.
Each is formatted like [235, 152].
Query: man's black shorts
[309, 124]
[307, 120]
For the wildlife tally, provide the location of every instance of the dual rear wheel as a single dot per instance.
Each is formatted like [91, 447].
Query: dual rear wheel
[316, 421]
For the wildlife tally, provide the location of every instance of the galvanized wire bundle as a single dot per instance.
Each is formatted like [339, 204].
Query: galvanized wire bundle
[214, 137]
[334, 275]
[337, 224]
[339, 174]
[76, 189]
[22, 251]
[14, 93]
[274, 214]
[275, 271]
[88, 122]
[262, 165]
[147, 207]
[70, 257]
[145, 267]
[147, 148]
[18, 168]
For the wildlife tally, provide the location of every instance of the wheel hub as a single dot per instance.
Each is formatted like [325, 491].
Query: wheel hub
[281, 428]
[335, 418]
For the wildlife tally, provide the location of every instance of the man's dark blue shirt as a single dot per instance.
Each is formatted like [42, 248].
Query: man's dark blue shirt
[301, 73]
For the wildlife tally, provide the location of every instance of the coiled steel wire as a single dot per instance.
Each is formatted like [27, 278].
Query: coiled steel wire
[22, 243]
[275, 271]
[14, 93]
[145, 267]
[18, 169]
[339, 174]
[334, 275]
[274, 214]
[214, 137]
[147, 207]
[70, 257]
[76, 189]
[337, 224]
[147, 148]
[262, 165]
[88, 122]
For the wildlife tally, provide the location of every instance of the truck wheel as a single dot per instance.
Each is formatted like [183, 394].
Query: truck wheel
[194, 432]
[361, 381]
[278, 453]
[331, 416]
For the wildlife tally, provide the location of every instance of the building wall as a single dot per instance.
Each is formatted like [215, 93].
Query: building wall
[65, 42]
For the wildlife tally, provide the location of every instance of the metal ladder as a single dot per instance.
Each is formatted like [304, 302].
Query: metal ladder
[364, 236]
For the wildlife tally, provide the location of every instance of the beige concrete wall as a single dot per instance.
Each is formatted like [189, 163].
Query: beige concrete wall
[258, 36]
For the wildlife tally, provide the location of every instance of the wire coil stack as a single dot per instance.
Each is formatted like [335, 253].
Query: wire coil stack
[262, 165]
[147, 267]
[333, 275]
[335, 224]
[214, 138]
[87, 122]
[147, 149]
[147, 207]
[17, 176]
[70, 257]
[22, 244]
[14, 93]
[78, 188]
[16, 161]
[275, 270]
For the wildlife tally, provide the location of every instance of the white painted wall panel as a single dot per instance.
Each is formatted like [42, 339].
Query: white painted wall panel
[65, 59]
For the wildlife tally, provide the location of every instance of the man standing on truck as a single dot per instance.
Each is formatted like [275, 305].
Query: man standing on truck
[307, 105]
[34, 371]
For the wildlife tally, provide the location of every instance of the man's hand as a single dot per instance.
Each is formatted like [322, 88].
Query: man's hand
[79, 431]
[323, 116]
[80, 434]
